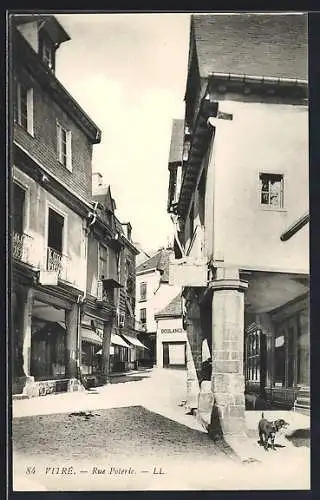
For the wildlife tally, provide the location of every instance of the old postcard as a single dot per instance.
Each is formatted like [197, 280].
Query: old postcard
[159, 333]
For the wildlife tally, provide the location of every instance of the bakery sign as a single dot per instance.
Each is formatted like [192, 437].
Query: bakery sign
[172, 330]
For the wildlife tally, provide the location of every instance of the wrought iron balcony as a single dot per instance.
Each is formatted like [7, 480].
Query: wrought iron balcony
[140, 326]
[22, 245]
[58, 262]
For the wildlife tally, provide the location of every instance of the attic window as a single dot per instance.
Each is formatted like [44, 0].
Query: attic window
[47, 50]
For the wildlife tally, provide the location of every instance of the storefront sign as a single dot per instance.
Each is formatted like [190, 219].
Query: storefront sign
[172, 330]
[187, 272]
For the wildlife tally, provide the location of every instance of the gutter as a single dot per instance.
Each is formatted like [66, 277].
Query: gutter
[233, 77]
[295, 227]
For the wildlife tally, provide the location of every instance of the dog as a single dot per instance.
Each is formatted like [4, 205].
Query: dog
[267, 431]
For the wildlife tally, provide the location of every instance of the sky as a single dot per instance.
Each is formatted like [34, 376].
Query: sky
[128, 72]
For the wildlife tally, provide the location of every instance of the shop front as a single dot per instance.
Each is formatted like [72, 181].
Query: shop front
[119, 354]
[277, 338]
[171, 343]
[136, 350]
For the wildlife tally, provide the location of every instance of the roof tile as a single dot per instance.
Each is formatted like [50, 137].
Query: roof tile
[252, 44]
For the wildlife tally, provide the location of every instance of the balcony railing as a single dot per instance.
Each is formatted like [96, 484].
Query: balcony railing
[22, 245]
[139, 326]
[58, 262]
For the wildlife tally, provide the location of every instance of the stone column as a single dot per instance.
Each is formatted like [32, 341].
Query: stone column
[26, 315]
[194, 346]
[228, 412]
[71, 320]
[106, 342]
[159, 349]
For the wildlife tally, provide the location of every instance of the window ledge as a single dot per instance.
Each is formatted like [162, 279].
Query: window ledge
[64, 166]
[24, 129]
[142, 300]
[271, 209]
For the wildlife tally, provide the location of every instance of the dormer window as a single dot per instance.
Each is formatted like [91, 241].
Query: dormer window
[47, 50]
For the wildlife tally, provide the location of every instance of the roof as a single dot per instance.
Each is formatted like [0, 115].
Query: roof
[160, 262]
[174, 308]
[48, 22]
[176, 145]
[25, 55]
[252, 44]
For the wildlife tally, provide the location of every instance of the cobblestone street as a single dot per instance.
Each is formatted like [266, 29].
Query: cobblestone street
[131, 435]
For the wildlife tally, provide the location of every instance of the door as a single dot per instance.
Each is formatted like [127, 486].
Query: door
[165, 347]
[174, 354]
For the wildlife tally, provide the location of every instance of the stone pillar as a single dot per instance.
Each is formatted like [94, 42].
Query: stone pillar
[26, 314]
[159, 350]
[106, 342]
[72, 320]
[194, 350]
[228, 412]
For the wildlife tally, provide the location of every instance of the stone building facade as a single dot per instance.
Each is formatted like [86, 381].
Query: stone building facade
[51, 150]
[238, 179]
[73, 262]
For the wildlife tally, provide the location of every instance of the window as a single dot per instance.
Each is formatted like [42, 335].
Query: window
[24, 106]
[103, 262]
[253, 356]
[55, 241]
[47, 50]
[19, 195]
[143, 291]
[271, 190]
[143, 316]
[280, 359]
[64, 146]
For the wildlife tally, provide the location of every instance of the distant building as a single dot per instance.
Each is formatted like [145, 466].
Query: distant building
[109, 340]
[171, 338]
[238, 187]
[152, 294]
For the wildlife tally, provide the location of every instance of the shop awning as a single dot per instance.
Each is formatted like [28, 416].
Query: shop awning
[134, 341]
[90, 335]
[117, 340]
[111, 350]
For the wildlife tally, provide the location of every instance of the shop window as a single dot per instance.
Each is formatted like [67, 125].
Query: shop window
[303, 350]
[291, 355]
[271, 190]
[143, 291]
[280, 359]
[253, 354]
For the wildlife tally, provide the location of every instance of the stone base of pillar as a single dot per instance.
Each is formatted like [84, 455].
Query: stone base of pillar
[228, 410]
[20, 384]
[74, 385]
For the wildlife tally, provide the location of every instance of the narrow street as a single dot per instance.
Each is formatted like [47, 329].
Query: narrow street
[129, 435]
